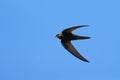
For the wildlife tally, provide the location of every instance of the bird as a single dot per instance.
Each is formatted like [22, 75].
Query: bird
[67, 36]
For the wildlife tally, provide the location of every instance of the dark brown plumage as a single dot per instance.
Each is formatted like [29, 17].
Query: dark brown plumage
[66, 36]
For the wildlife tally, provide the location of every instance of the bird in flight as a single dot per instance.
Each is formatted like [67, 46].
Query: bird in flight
[66, 37]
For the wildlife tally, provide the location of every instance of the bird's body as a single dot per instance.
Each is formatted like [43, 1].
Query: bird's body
[66, 36]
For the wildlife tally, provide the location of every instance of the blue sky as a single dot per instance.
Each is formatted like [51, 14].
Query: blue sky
[30, 51]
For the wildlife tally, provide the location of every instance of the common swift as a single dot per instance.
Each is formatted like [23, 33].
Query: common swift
[66, 37]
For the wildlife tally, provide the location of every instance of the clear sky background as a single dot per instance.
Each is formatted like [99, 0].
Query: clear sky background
[30, 51]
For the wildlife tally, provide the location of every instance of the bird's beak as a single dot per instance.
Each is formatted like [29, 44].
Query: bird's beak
[56, 36]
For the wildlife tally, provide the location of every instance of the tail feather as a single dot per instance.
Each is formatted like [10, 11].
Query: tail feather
[80, 37]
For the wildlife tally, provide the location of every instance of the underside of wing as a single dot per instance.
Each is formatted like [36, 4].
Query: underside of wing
[68, 46]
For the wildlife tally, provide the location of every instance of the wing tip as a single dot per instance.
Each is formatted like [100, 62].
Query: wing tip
[86, 61]
[80, 26]
[84, 25]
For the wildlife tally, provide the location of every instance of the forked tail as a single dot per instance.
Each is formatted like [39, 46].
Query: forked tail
[76, 37]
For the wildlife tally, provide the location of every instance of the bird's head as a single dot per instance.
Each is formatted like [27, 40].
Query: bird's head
[59, 36]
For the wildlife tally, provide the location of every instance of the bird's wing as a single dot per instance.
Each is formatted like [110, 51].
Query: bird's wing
[69, 30]
[68, 46]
